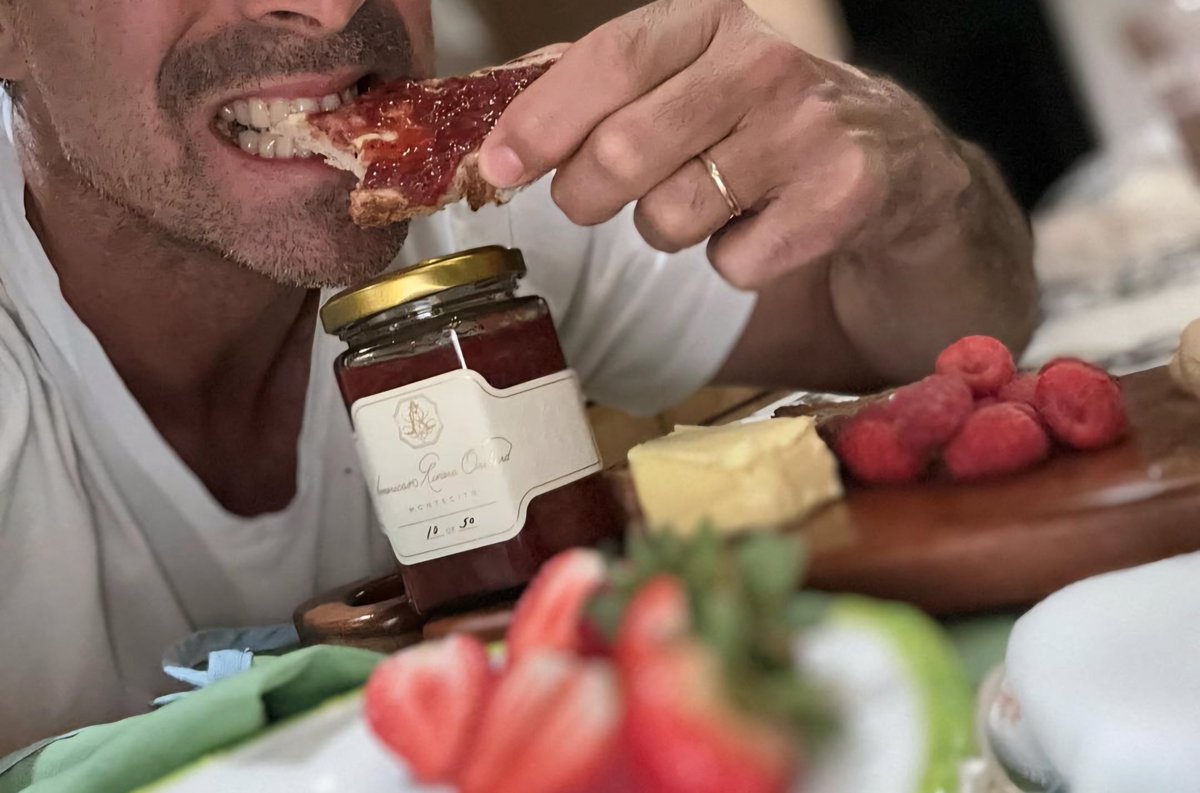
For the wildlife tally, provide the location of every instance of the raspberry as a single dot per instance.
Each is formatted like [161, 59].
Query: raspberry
[1028, 410]
[997, 440]
[871, 448]
[929, 413]
[1082, 405]
[985, 363]
[1055, 362]
[883, 411]
[1022, 390]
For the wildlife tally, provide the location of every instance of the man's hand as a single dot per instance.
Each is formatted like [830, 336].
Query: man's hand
[841, 175]
[812, 151]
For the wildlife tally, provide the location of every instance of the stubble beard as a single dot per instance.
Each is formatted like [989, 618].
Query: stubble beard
[306, 241]
[309, 243]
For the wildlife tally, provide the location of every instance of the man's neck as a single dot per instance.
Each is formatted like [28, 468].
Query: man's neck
[218, 356]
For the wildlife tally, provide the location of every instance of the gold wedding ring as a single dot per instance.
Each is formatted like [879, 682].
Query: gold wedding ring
[735, 209]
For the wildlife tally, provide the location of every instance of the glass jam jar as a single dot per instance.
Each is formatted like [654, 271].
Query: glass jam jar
[471, 429]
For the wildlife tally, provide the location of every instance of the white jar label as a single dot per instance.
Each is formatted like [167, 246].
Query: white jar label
[452, 463]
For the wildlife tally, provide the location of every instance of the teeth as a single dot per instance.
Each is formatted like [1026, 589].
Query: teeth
[249, 121]
[258, 113]
[270, 146]
[248, 141]
[260, 116]
[306, 105]
[279, 110]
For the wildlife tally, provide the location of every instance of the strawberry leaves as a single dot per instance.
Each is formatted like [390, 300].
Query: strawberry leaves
[745, 607]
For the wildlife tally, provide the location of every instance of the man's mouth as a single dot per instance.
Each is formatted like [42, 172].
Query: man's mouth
[244, 122]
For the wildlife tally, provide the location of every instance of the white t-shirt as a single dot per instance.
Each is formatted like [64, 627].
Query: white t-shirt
[111, 549]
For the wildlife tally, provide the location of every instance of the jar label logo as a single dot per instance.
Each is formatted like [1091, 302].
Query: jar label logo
[418, 422]
[453, 463]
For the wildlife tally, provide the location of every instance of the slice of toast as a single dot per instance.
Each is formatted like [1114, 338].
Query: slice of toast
[414, 145]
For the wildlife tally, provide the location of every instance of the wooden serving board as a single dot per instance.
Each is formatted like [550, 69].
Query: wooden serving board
[955, 549]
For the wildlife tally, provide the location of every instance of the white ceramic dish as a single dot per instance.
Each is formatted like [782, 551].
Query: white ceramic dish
[887, 672]
[330, 751]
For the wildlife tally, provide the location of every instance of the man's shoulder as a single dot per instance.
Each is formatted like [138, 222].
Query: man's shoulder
[20, 370]
[12, 332]
[35, 436]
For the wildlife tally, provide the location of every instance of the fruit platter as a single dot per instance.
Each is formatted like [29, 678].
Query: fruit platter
[687, 666]
[984, 488]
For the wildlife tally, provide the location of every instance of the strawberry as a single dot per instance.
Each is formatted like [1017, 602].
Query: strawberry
[550, 727]
[684, 736]
[704, 642]
[617, 774]
[985, 363]
[657, 614]
[423, 703]
[550, 616]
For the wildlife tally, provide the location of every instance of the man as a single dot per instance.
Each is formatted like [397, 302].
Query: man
[173, 453]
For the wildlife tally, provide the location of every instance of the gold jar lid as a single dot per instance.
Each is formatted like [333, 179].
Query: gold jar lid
[427, 278]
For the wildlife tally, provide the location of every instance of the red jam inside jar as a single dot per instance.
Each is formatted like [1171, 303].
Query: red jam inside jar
[457, 316]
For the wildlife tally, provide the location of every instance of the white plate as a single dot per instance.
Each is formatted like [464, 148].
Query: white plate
[330, 751]
[870, 656]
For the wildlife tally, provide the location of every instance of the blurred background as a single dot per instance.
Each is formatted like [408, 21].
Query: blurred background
[1090, 107]
[999, 71]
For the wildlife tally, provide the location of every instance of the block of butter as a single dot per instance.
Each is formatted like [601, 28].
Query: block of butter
[736, 478]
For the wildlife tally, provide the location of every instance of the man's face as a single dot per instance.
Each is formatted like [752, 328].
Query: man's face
[132, 93]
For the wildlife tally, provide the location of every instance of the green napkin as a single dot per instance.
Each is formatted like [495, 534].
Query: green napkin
[139, 751]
